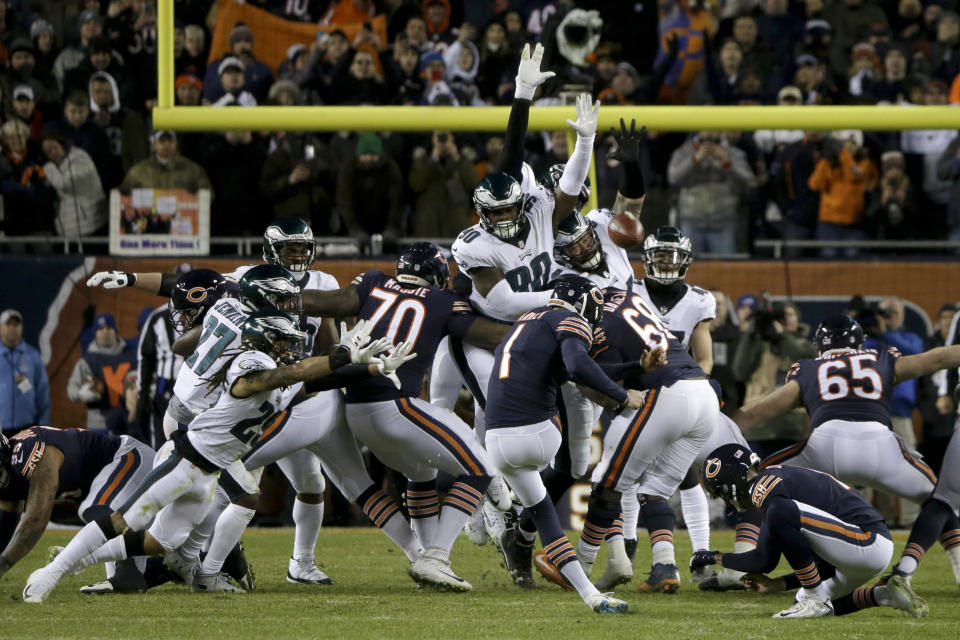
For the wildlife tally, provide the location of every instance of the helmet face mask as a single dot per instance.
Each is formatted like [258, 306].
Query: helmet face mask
[288, 242]
[423, 264]
[577, 244]
[499, 203]
[275, 333]
[183, 319]
[295, 255]
[667, 254]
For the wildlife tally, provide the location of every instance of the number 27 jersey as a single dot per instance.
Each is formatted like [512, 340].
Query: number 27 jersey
[855, 386]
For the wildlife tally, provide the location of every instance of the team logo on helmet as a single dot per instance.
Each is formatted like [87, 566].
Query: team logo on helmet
[597, 295]
[712, 467]
[197, 294]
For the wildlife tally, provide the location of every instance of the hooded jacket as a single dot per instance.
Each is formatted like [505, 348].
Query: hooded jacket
[83, 205]
[125, 129]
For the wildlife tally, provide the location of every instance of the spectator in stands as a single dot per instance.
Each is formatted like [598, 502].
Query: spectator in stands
[101, 57]
[849, 20]
[257, 77]
[772, 141]
[188, 89]
[725, 335]
[77, 128]
[779, 31]
[516, 34]
[232, 84]
[755, 54]
[907, 21]
[462, 61]
[298, 180]
[945, 51]
[133, 32]
[122, 419]
[403, 71]
[234, 162]
[166, 169]
[91, 26]
[892, 86]
[83, 205]
[21, 70]
[25, 110]
[28, 201]
[691, 23]
[717, 81]
[444, 179]
[496, 63]
[488, 162]
[45, 48]
[948, 170]
[194, 50]
[555, 152]
[97, 377]
[24, 388]
[125, 128]
[369, 192]
[810, 78]
[437, 16]
[893, 209]
[358, 79]
[436, 90]
[415, 33]
[864, 68]
[842, 176]
[937, 423]
[711, 177]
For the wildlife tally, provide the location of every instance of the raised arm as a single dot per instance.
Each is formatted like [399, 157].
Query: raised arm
[43, 489]
[631, 193]
[529, 77]
[306, 369]
[773, 404]
[578, 164]
[160, 284]
[923, 364]
[341, 303]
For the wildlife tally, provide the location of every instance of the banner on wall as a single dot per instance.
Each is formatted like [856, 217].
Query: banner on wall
[160, 222]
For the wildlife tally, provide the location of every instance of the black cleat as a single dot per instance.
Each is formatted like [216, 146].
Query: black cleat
[631, 548]
[518, 556]
[237, 567]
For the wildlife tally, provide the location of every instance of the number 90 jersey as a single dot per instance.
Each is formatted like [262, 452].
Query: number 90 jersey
[855, 386]
[527, 265]
[226, 431]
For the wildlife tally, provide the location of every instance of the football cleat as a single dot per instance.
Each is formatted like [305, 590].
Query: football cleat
[476, 528]
[494, 521]
[182, 566]
[39, 585]
[886, 579]
[304, 571]
[433, 569]
[498, 493]
[546, 569]
[606, 603]
[213, 583]
[98, 589]
[631, 548]
[517, 556]
[619, 568]
[664, 578]
[700, 574]
[723, 580]
[237, 567]
[902, 597]
[807, 608]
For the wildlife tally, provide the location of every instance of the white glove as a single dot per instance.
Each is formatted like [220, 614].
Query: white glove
[369, 352]
[111, 279]
[395, 357]
[586, 124]
[355, 339]
[529, 76]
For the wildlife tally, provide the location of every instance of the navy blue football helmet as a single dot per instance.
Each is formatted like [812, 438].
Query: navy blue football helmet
[424, 265]
[193, 294]
[726, 474]
[838, 332]
[580, 295]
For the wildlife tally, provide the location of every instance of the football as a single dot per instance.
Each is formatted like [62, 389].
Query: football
[626, 231]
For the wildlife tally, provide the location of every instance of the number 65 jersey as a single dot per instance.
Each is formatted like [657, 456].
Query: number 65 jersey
[850, 385]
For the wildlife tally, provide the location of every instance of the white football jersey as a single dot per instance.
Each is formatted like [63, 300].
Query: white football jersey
[616, 270]
[226, 431]
[222, 328]
[694, 307]
[527, 265]
[313, 280]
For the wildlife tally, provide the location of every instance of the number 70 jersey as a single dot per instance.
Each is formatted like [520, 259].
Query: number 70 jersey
[855, 386]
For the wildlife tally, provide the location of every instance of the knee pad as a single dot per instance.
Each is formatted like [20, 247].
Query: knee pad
[604, 499]
[309, 483]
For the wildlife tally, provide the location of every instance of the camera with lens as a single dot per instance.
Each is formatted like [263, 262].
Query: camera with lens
[765, 317]
[830, 149]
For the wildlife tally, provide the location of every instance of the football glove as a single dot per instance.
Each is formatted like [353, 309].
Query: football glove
[112, 279]
[356, 339]
[628, 142]
[702, 558]
[390, 362]
[586, 123]
[529, 76]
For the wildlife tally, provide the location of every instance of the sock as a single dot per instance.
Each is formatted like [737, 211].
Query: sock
[590, 540]
[199, 538]
[424, 510]
[558, 549]
[950, 541]
[660, 521]
[615, 532]
[528, 536]
[380, 508]
[230, 527]
[809, 577]
[602, 510]
[461, 501]
[696, 514]
[933, 522]
[87, 540]
[308, 519]
[113, 549]
[861, 598]
[630, 513]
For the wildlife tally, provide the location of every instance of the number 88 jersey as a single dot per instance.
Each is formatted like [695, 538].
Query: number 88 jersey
[850, 385]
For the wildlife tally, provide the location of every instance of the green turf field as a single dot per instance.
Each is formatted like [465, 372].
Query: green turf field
[374, 598]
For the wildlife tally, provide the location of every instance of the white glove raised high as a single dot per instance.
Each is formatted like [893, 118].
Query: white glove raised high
[586, 124]
[111, 279]
[395, 357]
[529, 76]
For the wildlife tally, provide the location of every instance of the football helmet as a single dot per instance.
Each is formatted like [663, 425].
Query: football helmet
[424, 265]
[288, 242]
[495, 193]
[726, 474]
[275, 333]
[6, 471]
[550, 180]
[577, 244]
[577, 294]
[838, 332]
[667, 254]
[270, 285]
[193, 294]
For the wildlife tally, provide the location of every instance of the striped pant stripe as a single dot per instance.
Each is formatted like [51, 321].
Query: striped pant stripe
[661, 535]
[463, 497]
[380, 507]
[629, 440]
[119, 478]
[784, 454]
[445, 436]
[560, 552]
[950, 540]
[616, 529]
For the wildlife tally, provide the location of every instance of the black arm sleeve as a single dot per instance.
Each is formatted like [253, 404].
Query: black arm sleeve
[166, 284]
[8, 524]
[342, 377]
[583, 370]
[511, 157]
[631, 185]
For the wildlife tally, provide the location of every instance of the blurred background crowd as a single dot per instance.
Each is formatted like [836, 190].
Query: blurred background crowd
[79, 78]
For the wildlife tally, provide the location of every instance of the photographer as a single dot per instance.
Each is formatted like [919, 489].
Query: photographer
[444, 180]
[894, 202]
[298, 178]
[773, 340]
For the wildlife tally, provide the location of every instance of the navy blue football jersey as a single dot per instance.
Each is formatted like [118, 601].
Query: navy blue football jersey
[85, 454]
[529, 368]
[818, 490]
[630, 328]
[401, 312]
[851, 385]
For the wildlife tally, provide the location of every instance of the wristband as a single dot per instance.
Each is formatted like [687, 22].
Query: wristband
[131, 279]
[339, 357]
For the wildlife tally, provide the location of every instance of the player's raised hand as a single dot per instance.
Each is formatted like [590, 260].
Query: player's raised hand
[111, 279]
[653, 359]
[395, 357]
[628, 142]
[355, 339]
[529, 76]
[368, 353]
[587, 113]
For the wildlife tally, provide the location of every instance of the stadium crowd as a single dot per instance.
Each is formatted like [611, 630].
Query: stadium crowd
[79, 80]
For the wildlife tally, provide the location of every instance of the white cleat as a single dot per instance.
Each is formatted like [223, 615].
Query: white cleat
[619, 567]
[807, 608]
[475, 527]
[606, 603]
[434, 570]
[306, 572]
[39, 585]
[493, 521]
[904, 598]
[213, 583]
[184, 567]
[98, 588]
[499, 493]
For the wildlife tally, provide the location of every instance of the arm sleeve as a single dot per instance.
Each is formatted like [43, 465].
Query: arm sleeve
[577, 166]
[513, 304]
[631, 184]
[511, 157]
[167, 281]
[462, 318]
[583, 370]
